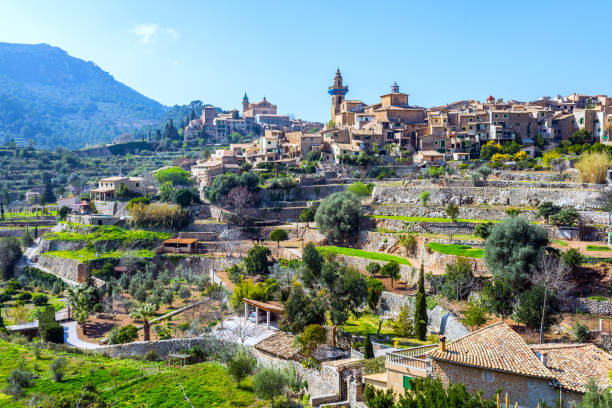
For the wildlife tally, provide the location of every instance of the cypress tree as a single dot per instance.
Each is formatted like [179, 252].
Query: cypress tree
[420, 310]
[368, 349]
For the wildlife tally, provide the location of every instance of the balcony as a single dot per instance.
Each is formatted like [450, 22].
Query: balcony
[412, 358]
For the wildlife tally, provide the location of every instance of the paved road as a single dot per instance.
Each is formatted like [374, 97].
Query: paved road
[71, 338]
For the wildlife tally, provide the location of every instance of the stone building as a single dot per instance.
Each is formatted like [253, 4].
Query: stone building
[108, 186]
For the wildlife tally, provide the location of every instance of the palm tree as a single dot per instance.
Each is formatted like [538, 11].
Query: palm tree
[144, 312]
[79, 297]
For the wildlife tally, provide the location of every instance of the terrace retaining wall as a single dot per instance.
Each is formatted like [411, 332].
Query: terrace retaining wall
[65, 267]
[585, 305]
[526, 196]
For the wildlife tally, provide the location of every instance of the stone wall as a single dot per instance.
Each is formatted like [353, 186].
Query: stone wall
[47, 245]
[535, 176]
[301, 193]
[526, 196]
[67, 268]
[140, 348]
[585, 305]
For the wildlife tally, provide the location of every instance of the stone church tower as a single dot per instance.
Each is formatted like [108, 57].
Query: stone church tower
[245, 103]
[337, 92]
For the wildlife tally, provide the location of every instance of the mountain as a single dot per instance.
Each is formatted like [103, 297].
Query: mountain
[58, 100]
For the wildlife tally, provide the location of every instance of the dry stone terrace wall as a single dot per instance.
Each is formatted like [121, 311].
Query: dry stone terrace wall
[580, 199]
[67, 268]
[585, 305]
[301, 193]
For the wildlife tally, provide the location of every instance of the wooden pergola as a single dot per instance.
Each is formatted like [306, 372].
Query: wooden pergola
[268, 307]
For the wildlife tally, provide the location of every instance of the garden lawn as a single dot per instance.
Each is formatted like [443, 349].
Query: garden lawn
[139, 383]
[429, 219]
[598, 248]
[455, 249]
[111, 233]
[559, 242]
[368, 323]
[85, 255]
[360, 253]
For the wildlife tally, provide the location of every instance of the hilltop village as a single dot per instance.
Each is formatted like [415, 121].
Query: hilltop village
[396, 255]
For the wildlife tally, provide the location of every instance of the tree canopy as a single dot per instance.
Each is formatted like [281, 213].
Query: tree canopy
[338, 216]
[175, 175]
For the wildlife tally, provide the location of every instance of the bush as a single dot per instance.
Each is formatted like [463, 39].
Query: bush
[51, 332]
[311, 338]
[241, 365]
[452, 210]
[402, 326]
[184, 292]
[568, 216]
[373, 268]
[17, 380]
[58, 368]
[424, 197]
[580, 333]
[368, 348]
[256, 262]
[375, 289]
[475, 315]
[235, 273]
[160, 215]
[40, 299]
[529, 308]
[24, 296]
[10, 253]
[593, 167]
[571, 258]
[125, 334]
[26, 239]
[269, 383]
[361, 190]
[409, 242]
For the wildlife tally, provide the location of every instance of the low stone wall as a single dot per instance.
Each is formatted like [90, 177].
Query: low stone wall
[535, 176]
[162, 348]
[213, 227]
[527, 196]
[584, 305]
[47, 245]
[360, 263]
[197, 264]
[301, 193]
[454, 228]
[291, 214]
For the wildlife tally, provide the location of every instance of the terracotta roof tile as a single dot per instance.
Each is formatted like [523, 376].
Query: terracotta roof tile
[279, 344]
[574, 364]
[496, 347]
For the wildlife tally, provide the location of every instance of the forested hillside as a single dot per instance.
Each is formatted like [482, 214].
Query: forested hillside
[58, 100]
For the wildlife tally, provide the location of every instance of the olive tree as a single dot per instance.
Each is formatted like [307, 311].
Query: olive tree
[338, 216]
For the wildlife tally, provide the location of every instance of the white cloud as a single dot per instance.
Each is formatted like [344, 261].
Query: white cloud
[146, 32]
[149, 32]
[173, 33]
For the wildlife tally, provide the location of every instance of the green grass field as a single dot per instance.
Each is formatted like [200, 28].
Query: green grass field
[559, 242]
[368, 323]
[455, 249]
[111, 233]
[600, 248]
[85, 255]
[139, 383]
[360, 253]
[429, 219]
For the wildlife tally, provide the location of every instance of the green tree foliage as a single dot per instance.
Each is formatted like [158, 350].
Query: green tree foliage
[475, 315]
[420, 310]
[452, 211]
[375, 289]
[580, 137]
[223, 183]
[235, 272]
[529, 308]
[313, 262]
[483, 230]
[10, 253]
[567, 216]
[63, 212]
[488, 150]
[377, 398]
[144, 312]
[361, 190]
[26, 239]
[424, 197]
[391, 270]
[459, 280]
[47, 196]
[402, 326]
[339, 216]
[373, 268]
[278, 235]
[307, 215]
[572, 258]
[348, 290]
[58, 368]
[49, 329]
[547, 209]
[368, 348]
[175, 175]
[79, 298]
[247, 289]
[125, 334]
[313, 156]
[596, 397]
[513, 248]
[256, 262]
[302, 309]
[313, 336]
[269, 383]
[184, 197]
[241, 365]
[499, 297]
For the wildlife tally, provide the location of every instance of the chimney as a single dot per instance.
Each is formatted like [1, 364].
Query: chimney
[543, 359]
[443, 344]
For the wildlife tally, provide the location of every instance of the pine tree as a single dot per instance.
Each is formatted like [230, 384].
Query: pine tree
[368, 349]
[420, 310]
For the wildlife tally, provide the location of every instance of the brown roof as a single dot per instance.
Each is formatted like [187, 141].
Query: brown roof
[574, 364]
[180, 241]
[270, 306]
[496, 347]
[279, 344]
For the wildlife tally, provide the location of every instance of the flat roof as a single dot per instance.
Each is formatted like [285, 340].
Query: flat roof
[275, 307]
[180, 241]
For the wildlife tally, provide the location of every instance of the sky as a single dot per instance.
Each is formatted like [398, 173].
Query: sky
[288, 51]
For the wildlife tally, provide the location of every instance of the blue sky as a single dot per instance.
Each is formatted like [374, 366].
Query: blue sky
[288, 51]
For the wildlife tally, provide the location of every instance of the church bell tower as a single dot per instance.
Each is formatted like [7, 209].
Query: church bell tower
[337, 92]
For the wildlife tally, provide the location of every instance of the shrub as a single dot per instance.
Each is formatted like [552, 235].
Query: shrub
[593, 167]
[51, 332]
[424, 197]
[235, 273]
[483, 230]
[475, 315]
[571, 258]
[529, 308]
[568, 216]
[269, 383]
[409, 242]
[17, 380]
[311, 338]
[580, 333]
[452, 210]
[40, 299]
[160, 215]
[375, 289]
[549, 157]
[125, 334]
[26, 239]
[373, 268]
[256, 262]
[361, 190]
[391, 270]
[402, 326]
[184, 292]
[25, 296]
[241, 365]
[58, 368]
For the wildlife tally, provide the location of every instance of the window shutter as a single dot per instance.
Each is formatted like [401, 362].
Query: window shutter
[407, 382]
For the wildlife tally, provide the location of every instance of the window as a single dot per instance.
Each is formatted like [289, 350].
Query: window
[407, 382]
[488, 376]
